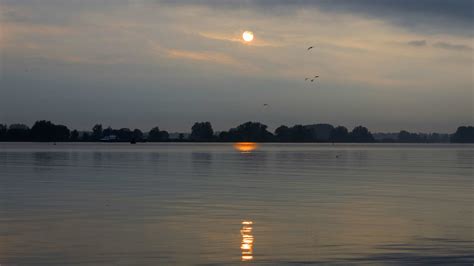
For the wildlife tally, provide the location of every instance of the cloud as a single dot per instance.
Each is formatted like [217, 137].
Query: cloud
[454, 47]
[19, 35]
[417, 43]
[220, 37]
[207, 56]
[432, 16]
[29, 29]
[237, 38]
[440, 45]
[359, 55]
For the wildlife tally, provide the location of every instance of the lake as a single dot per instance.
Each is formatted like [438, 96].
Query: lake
[178, 203]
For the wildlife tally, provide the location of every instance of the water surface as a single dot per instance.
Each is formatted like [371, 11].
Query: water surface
[150, 204]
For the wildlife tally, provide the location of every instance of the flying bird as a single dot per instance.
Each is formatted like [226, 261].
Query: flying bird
[311, 79]
[265, 104]
[311, 47]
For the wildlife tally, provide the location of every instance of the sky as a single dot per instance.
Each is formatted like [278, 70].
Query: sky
[385, 64]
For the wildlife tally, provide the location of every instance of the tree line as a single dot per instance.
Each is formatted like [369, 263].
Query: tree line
[46, 131]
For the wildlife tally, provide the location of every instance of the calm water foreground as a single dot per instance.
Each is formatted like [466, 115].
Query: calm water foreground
[165, 204]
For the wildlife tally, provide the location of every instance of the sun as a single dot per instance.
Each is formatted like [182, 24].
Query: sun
[247, 36]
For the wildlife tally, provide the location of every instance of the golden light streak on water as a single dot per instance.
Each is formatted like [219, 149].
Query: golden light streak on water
[247, 240]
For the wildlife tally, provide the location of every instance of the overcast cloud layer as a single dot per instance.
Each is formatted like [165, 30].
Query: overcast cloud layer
[389, 65]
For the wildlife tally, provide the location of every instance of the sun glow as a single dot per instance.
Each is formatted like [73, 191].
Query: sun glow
[245, 146]
[247, 36]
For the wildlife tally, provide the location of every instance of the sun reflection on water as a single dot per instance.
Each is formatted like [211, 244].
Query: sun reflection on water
[247, 240]
[245, 146]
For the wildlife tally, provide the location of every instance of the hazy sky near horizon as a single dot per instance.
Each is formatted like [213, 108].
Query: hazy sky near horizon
[386, 64]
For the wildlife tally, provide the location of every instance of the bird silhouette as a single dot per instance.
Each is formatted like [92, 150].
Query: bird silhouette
[311, 47]
[316, 76]
[265, 104]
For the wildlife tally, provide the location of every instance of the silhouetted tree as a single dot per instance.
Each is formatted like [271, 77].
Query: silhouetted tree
[97, 132]
[47, 131]
[156, 135]
[464, 134]
[108, 132]
[202, 131]
[297, 133]
[250, 131]
[339, 134]
[85, 137]
[282, 133]
[18, 132]
[124, 134]
[137, 134]
[165, 135]
[3, 132]
[361, 134]
[61, 133]
[301, 133]
[436, 138]
[74, 135]
[225, 136]
[42, 131]
[320, 132]
[407, 137]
